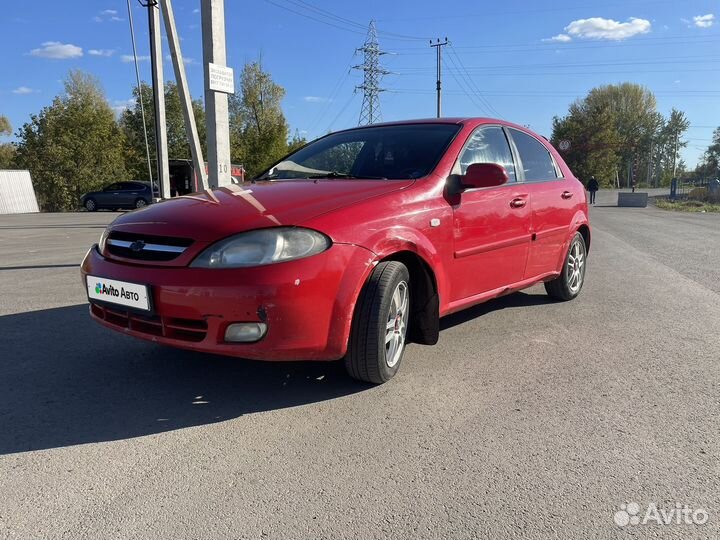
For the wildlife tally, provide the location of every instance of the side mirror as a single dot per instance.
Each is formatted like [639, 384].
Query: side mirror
[481, 175]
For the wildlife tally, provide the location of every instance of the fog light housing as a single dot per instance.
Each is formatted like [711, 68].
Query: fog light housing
[245, 332]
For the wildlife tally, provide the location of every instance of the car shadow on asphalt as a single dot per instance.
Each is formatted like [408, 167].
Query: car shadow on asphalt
[64, 380]
[518, 299]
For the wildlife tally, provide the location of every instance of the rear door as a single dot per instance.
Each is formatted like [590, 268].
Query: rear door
[553, 202]
[491, 226]
[129, 193]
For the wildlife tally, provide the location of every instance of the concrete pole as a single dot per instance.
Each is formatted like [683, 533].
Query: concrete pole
[159, 96]
[216, 103]
[184, 91]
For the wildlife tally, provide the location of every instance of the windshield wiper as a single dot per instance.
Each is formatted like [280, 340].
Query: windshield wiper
[335, 174]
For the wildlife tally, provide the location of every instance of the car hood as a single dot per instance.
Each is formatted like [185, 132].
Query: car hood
[213, 214]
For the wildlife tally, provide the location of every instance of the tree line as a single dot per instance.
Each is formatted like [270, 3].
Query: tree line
[78, 143]
[616, 134]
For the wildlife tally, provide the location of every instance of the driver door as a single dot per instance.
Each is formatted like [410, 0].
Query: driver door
[491, 226]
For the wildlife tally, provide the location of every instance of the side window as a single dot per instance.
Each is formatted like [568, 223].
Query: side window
[487, 145]
[536, 160]
[113, 187]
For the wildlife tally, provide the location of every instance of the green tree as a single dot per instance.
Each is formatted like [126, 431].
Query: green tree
[590, 129]
[5, 127]
[616, 129]
[72, 146]
[258, 129]
[178, 145]
[7, 150]
[710, 164]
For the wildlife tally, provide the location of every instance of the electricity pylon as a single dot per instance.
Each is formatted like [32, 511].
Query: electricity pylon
[373, 72]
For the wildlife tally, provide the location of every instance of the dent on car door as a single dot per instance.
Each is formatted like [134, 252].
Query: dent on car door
[491, 226]
[552, 203]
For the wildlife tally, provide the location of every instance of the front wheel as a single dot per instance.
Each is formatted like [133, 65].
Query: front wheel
[377, 336]
[90, 205]
[570, 281]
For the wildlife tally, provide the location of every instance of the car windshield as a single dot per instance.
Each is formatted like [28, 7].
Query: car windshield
[381, 152]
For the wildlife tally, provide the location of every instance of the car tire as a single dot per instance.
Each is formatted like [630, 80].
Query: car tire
[379, 328]
[141, 203]
[90, 205]
[569, 284]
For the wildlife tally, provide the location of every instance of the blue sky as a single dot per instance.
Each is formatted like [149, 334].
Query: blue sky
[529, 60]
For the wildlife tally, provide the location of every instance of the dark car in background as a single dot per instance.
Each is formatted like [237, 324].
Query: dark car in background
[134, 194]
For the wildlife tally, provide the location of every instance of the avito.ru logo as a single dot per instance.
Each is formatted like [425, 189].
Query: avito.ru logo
[98, 288]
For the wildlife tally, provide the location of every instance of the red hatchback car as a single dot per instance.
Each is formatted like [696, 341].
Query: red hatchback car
[349, 247]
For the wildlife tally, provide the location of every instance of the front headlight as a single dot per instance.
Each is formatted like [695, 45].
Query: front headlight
[262, 246]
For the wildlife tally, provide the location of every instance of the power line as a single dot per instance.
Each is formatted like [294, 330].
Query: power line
[332, 97]
[323, 16]
[472, 85]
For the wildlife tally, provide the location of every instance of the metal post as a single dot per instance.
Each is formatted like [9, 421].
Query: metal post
[159, 96]
[216, 103]
[438, 46]
[184, 91]
[139, 90]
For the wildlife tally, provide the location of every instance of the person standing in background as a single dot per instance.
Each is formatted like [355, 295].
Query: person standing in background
[592, 187]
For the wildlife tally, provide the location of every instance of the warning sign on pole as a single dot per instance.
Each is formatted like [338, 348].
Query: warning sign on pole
[221, 79]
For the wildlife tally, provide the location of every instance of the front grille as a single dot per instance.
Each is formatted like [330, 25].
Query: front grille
[146, 247]
[193, 330]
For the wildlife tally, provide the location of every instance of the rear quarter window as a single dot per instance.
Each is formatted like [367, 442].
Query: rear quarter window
[537, 163]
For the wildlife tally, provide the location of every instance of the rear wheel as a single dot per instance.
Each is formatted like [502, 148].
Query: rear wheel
[90, 205]
[377, 337]
[570, 281]
[140, 203]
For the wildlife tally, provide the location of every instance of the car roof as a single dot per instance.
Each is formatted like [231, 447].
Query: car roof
[472, 121]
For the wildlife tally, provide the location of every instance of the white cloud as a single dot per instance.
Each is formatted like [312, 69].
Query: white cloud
[704, 21]
[315, 99]
[196, 10]
[127, 58]
[107, 15]
[121, 105]
[186, 60]
[57, 50]
[599, 28]
[562, 38]
[101, 52]
[23, 91]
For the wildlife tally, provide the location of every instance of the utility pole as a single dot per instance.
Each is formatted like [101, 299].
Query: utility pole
[159, 96]
[373, 72]
[139, 90]
[677, 136]
[216, 102]
[184, 91]
[438, 47]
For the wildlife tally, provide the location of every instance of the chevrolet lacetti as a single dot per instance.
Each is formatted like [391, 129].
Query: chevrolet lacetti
[349, 247]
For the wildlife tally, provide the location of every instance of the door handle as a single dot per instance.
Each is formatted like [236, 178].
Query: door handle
[566, 195]
[518, 202]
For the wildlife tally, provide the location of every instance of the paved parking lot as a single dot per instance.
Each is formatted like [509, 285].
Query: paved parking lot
[529, 419]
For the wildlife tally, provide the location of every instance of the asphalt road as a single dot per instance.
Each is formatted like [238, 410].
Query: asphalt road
[529, 419]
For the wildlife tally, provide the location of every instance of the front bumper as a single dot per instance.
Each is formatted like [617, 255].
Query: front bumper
[307, 304]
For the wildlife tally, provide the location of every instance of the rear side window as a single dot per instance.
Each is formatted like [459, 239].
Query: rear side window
[487, 145]
[536, 160]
